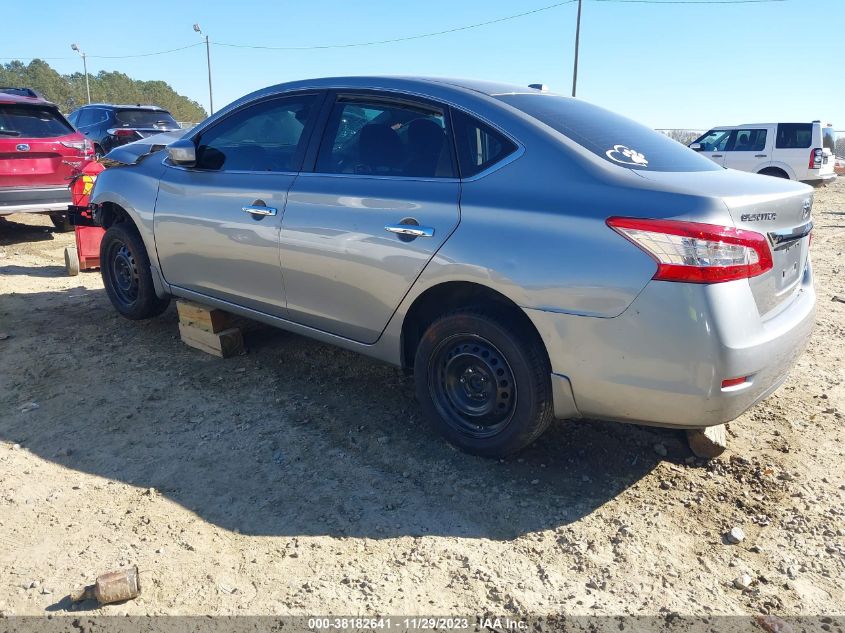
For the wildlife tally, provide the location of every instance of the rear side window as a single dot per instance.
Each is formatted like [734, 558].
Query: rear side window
[829, 139]
[479, 146]
[27, 121]
[267, 136]
[610, 136]
[794, 135]
[371, 137]
[145, 118]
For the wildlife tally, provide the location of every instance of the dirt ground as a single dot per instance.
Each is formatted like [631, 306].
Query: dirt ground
[299, 478]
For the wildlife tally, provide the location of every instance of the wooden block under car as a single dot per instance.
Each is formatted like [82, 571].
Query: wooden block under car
[203, 317]
[224, 344]
[213, 319]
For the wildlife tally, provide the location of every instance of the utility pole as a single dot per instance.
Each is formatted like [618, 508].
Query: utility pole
[577, 40]
[208, 60]
[76, 48]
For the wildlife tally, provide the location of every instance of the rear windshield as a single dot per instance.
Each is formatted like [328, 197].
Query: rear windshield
[25, 121]
[829, 139]
[145, 118]
[610, 136]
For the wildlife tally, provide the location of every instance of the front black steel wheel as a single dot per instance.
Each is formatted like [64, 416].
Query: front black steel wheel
[484, 382]
[125, 268]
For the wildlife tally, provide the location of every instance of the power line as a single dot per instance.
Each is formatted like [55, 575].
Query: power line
[170, 50]
[400, 39]
[693, 1]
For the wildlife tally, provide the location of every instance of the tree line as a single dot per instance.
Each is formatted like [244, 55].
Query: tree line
[68, 91]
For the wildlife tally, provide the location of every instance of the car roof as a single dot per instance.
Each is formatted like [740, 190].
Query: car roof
[8, 97]
[124, 106]
[489, 88]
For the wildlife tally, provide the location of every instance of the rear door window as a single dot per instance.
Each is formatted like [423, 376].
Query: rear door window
[749, 140]
[479, 146]
[794, 135]
[609, 136]
[374, 137]
[26, 121]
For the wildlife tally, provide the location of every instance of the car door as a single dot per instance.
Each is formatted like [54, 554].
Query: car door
[217, 223]
[749, 149]
[360, 226]
[712, 145]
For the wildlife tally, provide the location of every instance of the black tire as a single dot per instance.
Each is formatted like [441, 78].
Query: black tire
[98, 152]
[125, 268]
[484, 386]
[773, 171]
[61, 222]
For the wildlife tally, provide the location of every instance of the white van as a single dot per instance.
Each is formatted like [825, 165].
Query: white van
[798, 151]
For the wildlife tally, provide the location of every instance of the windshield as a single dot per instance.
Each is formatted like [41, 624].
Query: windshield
[146, 118]
[610, 136]
[25, 121]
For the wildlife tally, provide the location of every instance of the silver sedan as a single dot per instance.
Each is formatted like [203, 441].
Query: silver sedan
[527, 255]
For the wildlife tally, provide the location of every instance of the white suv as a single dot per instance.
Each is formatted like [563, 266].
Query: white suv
[798, 151]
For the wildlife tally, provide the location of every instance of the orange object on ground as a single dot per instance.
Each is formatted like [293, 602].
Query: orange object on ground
[88, 235]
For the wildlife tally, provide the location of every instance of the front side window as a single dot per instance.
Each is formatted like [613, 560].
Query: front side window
[479, 146]
[267, 136]
[794, 135]
[714, 140]
[26, 121]
[385, 138]
[609, 136]
[747, 141]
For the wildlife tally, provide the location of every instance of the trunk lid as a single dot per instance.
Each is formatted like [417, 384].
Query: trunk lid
[34, 150]
[775, 207]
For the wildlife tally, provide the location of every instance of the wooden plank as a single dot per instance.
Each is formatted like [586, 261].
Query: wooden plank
[203, 317]
[213, 319]
[223, 344]
[708, 443]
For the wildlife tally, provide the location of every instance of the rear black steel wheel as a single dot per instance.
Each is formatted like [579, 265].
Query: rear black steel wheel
[125, 268]
[484, 384]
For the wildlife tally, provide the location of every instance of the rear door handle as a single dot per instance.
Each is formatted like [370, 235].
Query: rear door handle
[759, 155]
[411, 230]
[255, 210]
[717, 155]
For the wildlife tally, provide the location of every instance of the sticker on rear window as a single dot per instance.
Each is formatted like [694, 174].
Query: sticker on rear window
[626, 156]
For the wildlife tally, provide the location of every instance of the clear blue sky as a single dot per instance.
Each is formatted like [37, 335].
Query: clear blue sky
[666, 66]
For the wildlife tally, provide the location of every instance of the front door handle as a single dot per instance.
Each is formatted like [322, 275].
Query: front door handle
[257, 210]
[411, 230]
[717, 155]
[759, 156]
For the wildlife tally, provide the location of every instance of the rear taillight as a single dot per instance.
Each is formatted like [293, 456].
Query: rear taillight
[697, 253]
[816, 158]
[83, 147]
[119, 131]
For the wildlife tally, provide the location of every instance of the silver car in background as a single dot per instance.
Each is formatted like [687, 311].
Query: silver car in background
[527, 255]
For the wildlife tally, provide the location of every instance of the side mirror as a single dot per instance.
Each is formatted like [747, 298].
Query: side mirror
[696, 147]
[182, 152]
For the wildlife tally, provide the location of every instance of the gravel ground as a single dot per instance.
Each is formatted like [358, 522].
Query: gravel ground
[299, 478]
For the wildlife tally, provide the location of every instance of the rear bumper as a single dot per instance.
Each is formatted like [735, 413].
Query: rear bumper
[822, 178]
[663, 360]
[34, 200]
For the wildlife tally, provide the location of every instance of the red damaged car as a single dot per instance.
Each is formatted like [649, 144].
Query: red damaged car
[40, 153]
